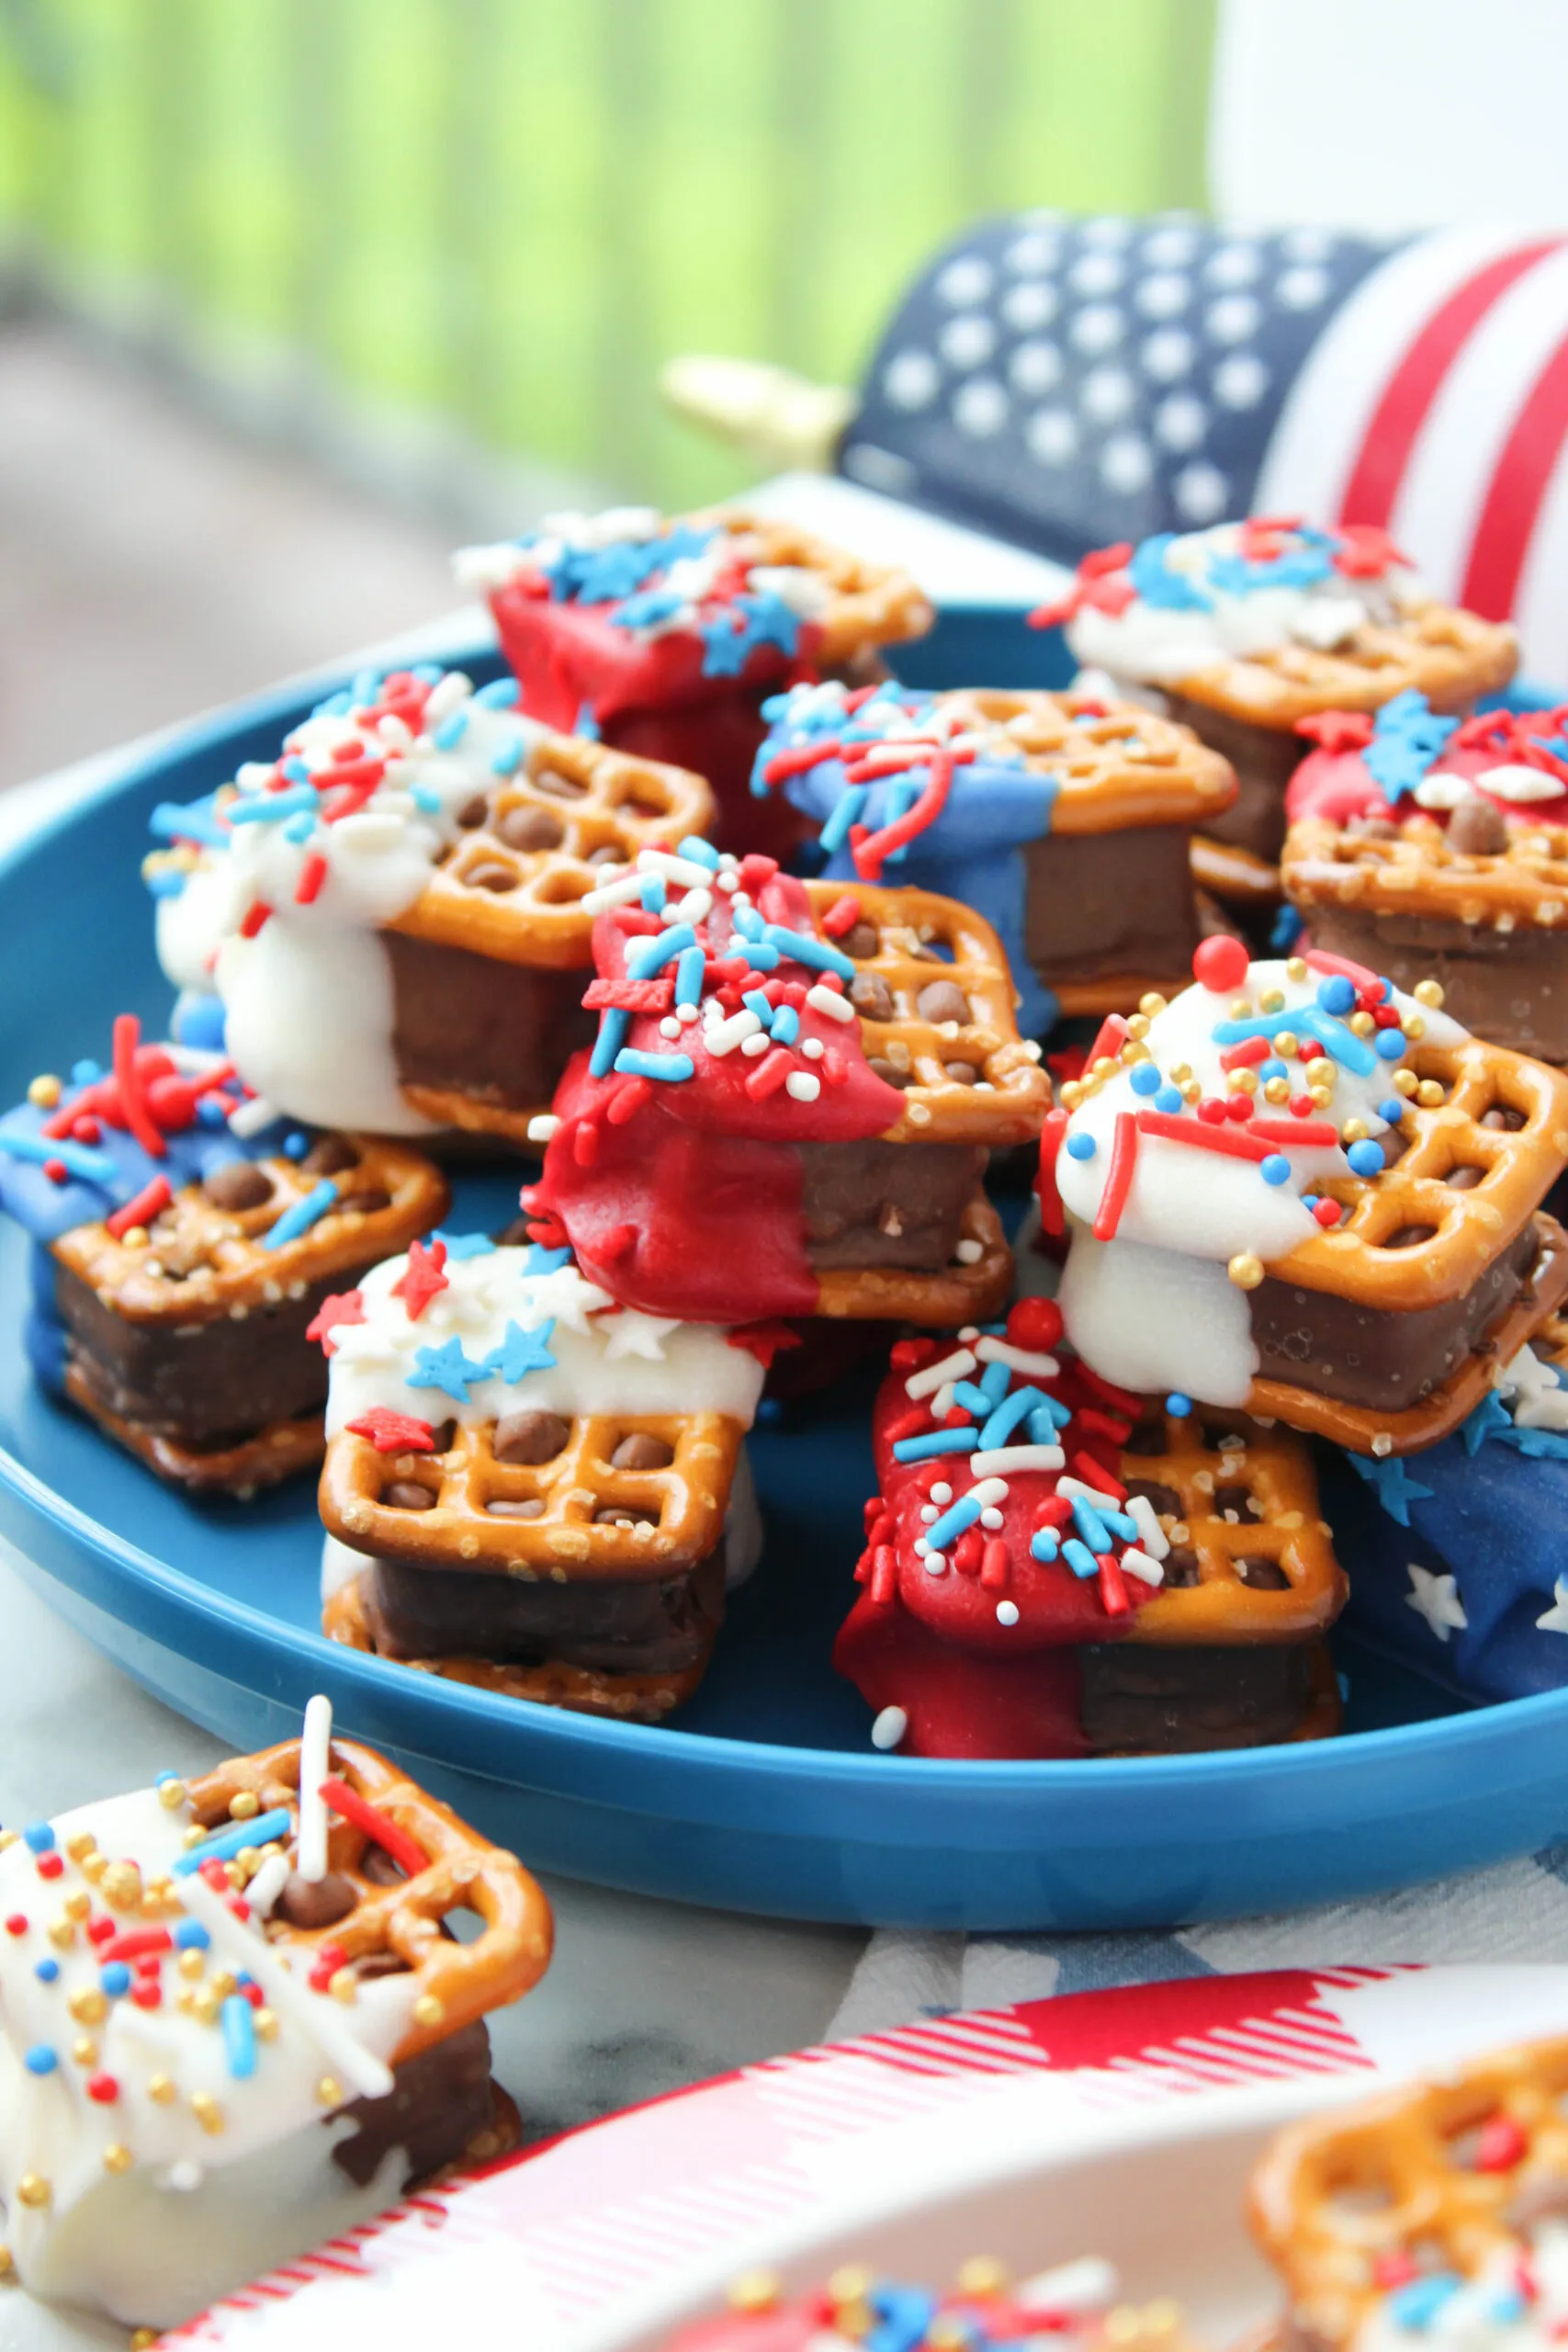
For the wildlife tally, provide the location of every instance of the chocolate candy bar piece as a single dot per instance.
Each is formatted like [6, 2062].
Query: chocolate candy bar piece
[642, 1626]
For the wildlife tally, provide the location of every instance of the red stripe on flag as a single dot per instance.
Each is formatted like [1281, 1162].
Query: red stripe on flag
[1514, 495]
[1408, 396]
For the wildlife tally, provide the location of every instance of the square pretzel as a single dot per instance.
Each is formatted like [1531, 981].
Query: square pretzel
[1117, 767]
[1450, 656]
[1394, 2176]
[1523, 886]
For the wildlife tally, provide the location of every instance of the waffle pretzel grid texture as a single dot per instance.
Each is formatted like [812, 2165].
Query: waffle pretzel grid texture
[872, 604]
[567, 1543]
[1249, 1501]
[201, 1261]
[1450, 656]
[1420, 875]
[521, 905]
[1338, 2191]
[914, 927]
[1465, 1229]
[582, 1690]
[458, 1983]
[1120, 766]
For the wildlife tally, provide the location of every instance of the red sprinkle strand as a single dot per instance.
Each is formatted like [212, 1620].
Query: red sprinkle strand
[255, 914]
[841, 916]
[406, 1851]
[138, 1118]
[312, 874]
[1226, 1139]
[1052, 1216]
[1118, 1176]
[141, 1209]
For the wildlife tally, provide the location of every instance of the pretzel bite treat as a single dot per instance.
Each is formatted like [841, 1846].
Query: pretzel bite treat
[233, 2023]
[389, 911]
[1432, 2217]
[1300, 1191]
[662, 638]
[1072, 2308]
[530, 1488]
[1051, 1571]
[1456, 1560]
[789, 1105]
[1243, 630]
[184, 1244]
[1426, 844]
[1065, 822]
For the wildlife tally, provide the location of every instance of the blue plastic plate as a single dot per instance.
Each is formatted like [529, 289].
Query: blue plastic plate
[766, 1795]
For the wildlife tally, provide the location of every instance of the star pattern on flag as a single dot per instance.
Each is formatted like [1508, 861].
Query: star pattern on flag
[1435, 1597]
[1392, 1485]
[1556, 1620]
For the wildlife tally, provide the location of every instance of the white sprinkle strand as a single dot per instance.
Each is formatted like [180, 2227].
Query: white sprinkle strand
[252, 1117]
[957, 1366]
[315, 1751]
[989, 1491]
[889, 1727]
[611, 894]
[1019, 1457]
[1155, 1543]
[968, 1252]
[829, 1001]
[721, 1038]
[1007, 1612]
[994, 1350]
[804, 1085]
[1138, 1564]
[542, 1126]
[268, 1885]
[1076, 1491]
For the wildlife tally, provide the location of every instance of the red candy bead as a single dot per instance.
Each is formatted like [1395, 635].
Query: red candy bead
[1220, 964]
[103, 2089]
[147, 1997]
[1034, 1324]
[51, 1865]
[1238, 1107]
[101, 1931]
[1500, 2145]
[1303, 1107]
[1212, 1109]
[1396, 2269]
[17, 1925]
[1326, 1213]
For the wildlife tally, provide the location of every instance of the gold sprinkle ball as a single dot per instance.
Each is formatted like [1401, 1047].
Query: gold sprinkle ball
[225, 1982]
[62, 1934]
[136, 1237]
[90, 2008]
[344, 1984]
[755, 2291]
[190, 1965]
[329, 2090]
[1414, 1027]
[195, 1835]
[1273, 1001]
[1429, 1094]
[1354, 1131]
[143, 2338]
[9, 1838]
[1287, 1044]
[78, 1848]
[265, 2025]
[982, 2275]
[245, 1807]
[122, 1885]
[207, 2111]
[171, 1795]
[1243, 1081]
[851, 2284]
[7, 2263]
[1322, 1097]
[117, 2156]
[1190, 1090]
[1296, 968]
[1150, 1004]
[205, 2004]
[159, 2087]
[84, 2049]
[93, 1868]
[1320, 1071]
[1104, 1068]
[44, 1091]
[1135, 1051]
[1138, 1025]
[1277, 1089]
[1429, 994]
[77, 1905]
[1072, 1094]
[32, 2189]
[1362, 1023]
[1405, 1081]
[1241, 1006]
[1246, 1270]
[429, 2010]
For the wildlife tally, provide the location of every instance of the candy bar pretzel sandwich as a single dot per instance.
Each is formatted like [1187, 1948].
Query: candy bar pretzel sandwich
[1065, 822]
[530, 1488]
[662, 637]
[1298, 1192]
[1246, 629]
[233, 2021]
[181, 1253]
[790, 1103]
[1059, 1576]
[389, 911]
[1431, 846]
[1433, 2214]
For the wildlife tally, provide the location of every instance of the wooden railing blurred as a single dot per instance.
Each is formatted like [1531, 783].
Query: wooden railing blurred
[426, 232]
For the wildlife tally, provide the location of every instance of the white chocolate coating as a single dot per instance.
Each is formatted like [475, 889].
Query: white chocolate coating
[195, 2210]
[1155, 1308]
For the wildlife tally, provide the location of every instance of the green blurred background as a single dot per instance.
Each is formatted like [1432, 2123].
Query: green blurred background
[483, 224]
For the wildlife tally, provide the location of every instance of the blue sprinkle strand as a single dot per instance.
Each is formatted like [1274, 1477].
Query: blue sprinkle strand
[226, 1844]
[239, 2037]
[304, 1214]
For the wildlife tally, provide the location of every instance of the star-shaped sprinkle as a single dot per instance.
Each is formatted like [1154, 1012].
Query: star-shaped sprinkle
[1392, 1485]
[763, 1340]
[1556, 1618]
[640, 1334]
[342, 1307]
[1490, 1418]
[1436, 1597]
[541, 1260]
[448, 1368]
[391, 1432]
[423, 1279]
[521, 1353]
[461, 1246]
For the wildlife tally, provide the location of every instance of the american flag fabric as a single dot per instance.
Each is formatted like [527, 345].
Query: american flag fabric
[1064, 383]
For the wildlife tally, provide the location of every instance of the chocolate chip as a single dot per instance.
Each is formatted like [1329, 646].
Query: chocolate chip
[1180, 1566]
[529, 1437]
[407, 1494]
[1163, 1501]
[443, 1436]
[489, 873]
[1407, 1236]
[1263, 1576]
[1476, 829]
[1373, 828]
[861, 940]
[962, 1073]
[316, 1903]
[1464, 1180]
[329, 1156]
[525, 828]
[870, 995]
[238, 1184]
[624, 1515]
[640, 1451]
[380, 1964]
[1148, 1437]
[606, 855]
[516, 1507]
[1504, 1118]
[942, 1001]
[377, 1866]
[473, 812]
[562, 787]
[889, 1072]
